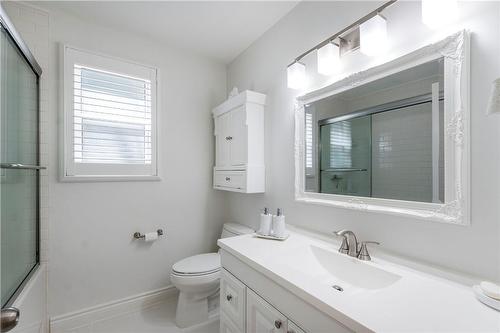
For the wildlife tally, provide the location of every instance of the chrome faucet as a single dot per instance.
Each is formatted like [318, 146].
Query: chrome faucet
[349, 244]
[351, 247]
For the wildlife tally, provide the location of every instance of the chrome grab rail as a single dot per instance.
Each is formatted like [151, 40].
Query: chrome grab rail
[21, 166]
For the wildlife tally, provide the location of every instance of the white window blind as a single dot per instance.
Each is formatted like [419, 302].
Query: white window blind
[340, 145]
[309, 140]
[109, 116]
[112, 118]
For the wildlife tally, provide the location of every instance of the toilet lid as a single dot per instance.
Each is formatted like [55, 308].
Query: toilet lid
[198, 264]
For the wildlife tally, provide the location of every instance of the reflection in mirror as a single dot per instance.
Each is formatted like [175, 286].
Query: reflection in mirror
[383, 139]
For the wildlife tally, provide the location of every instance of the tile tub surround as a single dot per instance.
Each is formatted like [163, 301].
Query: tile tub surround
[417, 301]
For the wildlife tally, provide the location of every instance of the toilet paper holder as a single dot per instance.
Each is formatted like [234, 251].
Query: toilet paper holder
[138, 235]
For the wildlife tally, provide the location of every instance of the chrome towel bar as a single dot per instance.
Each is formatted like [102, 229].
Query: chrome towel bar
[138, 235]
[21, 166]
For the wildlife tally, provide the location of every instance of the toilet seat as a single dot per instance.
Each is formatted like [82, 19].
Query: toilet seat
[198, 265]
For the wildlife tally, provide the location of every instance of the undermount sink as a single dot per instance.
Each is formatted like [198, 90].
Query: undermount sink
[346, 271]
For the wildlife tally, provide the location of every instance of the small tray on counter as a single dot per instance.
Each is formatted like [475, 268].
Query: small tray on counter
[287, 234]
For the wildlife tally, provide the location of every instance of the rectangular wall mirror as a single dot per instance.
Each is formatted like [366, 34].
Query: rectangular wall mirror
[383, 139]
[392, 138]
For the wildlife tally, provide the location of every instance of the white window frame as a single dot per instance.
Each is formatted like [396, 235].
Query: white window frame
[71, 171]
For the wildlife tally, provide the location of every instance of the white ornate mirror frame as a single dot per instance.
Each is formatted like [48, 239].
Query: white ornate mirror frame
[456, 207]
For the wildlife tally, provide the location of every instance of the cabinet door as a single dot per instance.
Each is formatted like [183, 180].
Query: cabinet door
[222, 139]
[227, 326]
[232, 299]
[262, 317]
[293, 328]
[238, 134]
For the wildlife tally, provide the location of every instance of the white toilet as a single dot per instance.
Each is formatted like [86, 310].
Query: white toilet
[197, 279]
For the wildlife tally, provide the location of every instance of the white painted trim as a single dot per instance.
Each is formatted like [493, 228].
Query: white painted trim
[117, 178]
[88, 316]
[456, 208]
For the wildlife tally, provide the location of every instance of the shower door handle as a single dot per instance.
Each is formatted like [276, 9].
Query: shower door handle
[21, 166]
[9, 319]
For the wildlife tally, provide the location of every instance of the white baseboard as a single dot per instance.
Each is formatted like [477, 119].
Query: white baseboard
[84, 318]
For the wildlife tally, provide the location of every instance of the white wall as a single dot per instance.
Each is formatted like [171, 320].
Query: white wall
[262, 67]
[92, 256]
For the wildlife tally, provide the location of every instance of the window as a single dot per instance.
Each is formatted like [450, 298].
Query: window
[310, 141]
[340, 145]
[109, 118]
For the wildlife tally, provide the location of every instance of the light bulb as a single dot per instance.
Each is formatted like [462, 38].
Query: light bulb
[438, 13]
[373, 36]
[328, 59]
[296, 74]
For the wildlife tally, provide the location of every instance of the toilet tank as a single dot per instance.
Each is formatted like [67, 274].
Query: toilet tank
[235, 229]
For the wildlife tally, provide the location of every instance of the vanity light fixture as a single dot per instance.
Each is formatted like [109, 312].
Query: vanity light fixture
[296, 75]
[438, 13]
[373, 36]
[372, 26]
[328, 59]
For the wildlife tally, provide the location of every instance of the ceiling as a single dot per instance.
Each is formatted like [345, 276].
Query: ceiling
[217, 29]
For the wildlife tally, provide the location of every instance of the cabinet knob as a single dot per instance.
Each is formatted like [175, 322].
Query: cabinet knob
[277, 323]
[229, 137]
[229, 297]
[228, 179]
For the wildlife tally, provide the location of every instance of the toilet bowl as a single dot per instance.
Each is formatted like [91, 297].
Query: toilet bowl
[197, 278]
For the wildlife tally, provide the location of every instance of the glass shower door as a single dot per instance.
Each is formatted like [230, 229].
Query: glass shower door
[19, 170]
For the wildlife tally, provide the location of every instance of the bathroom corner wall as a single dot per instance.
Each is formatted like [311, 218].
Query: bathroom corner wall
[93, 258]
[473, 249]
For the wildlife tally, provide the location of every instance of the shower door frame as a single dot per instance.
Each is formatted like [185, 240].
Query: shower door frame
[386, 107]
[12, 33]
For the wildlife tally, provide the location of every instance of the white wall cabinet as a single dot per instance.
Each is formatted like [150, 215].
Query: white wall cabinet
[243, 311]
[239, 143]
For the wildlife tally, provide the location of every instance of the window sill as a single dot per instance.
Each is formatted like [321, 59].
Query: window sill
[107, 178]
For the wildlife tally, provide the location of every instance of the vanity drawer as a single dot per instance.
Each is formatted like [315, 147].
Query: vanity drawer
[232, 299]
[230, 179]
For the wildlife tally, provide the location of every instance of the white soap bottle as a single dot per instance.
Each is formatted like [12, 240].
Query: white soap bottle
[279, 227]
[265, 223]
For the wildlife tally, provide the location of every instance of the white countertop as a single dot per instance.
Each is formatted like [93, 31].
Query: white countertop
[417, 302]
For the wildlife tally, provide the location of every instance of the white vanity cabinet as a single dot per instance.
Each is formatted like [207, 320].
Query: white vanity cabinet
[239, 143]
[243, 311]
[253, 303]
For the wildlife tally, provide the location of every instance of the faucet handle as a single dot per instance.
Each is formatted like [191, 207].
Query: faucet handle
[363, 251]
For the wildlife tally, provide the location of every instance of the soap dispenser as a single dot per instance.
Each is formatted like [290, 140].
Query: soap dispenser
[279, 227]
[265, 223]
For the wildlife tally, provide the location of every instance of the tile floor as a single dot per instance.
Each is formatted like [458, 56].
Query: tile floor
[157, 318]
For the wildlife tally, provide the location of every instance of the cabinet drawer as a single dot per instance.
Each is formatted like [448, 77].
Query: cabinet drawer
[230, 179]
[232, 299]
